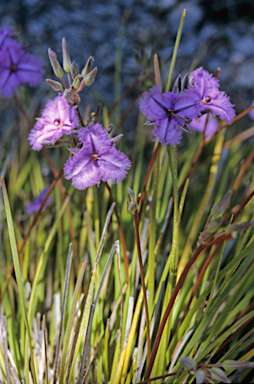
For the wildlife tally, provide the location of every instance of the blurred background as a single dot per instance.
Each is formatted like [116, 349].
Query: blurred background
[218, 33]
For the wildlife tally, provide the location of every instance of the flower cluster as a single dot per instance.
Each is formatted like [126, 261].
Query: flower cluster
[171, 112]
[16, 66]
[93, 153]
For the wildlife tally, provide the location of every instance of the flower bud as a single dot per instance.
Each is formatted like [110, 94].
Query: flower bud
[237, 227]
[54, 85]
[218, 374]
[188, 362]
[229, 365]
[74, 70]
[77, 81]
[96, 115]
[66, 57]
[58, 70]
[89, 78]
[200, 376]
[214, 225]
[88, 67]
[132, 205]
[221, 205]
[115, 140]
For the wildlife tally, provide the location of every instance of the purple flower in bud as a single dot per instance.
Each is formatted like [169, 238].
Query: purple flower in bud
[97, 160]
[17, 67]
[170, 113]
[36, 203]
[211, 97]
[199, 125]
[57, 119]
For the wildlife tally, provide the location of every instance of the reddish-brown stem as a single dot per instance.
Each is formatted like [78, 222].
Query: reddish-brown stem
[127, 111]
[242, 206]
[146, 180]
[200, 277]
[243, 171]
[131, 87]
[143, 284]
[125, 258]
[21, 247]
[160, 377]
[63, 82]
[22, 109]
[178, 286]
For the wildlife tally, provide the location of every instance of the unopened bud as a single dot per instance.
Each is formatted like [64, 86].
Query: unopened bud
[132, 205]
[66, 57]
[188, 362]
[214, 225]
[237, 227]
[77, 81]
[74, 70]
[218, 374]
[89, 78]
[96, 115]
[115, 140]
[200, 376]
[88, 67]
[58, 70]
[54, 85]
[229, 365]
[221, 205]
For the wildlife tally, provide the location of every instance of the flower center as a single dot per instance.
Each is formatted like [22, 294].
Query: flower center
[58, 123]
[94, 157]
[206, 99]
[13, 68]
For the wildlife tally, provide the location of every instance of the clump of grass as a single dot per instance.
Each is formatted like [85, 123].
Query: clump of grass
[154, 286]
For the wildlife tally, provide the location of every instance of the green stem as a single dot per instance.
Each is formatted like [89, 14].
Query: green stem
[143, 284]
[178, 37]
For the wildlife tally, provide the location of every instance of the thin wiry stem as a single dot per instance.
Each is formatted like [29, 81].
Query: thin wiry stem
[143, 284]
[125, 258]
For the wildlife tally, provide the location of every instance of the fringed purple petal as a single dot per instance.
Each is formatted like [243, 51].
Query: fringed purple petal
[113, 165]
[205, 84]
[167, 132]
[83, 172]
[222, 107]
[95, 136]
[154, 105]
[188, 104]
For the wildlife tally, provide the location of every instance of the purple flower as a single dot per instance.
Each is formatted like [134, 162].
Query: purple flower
[96, 160]
[58, 119]
[170, 112]
[199, 125]
[36, 203]
[17, 67]
[211, 97]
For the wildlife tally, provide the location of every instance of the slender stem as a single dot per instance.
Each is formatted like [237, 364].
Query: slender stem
[125, 258]
[22, 109]
[178, 37]
[143, 284]
[146, 180]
